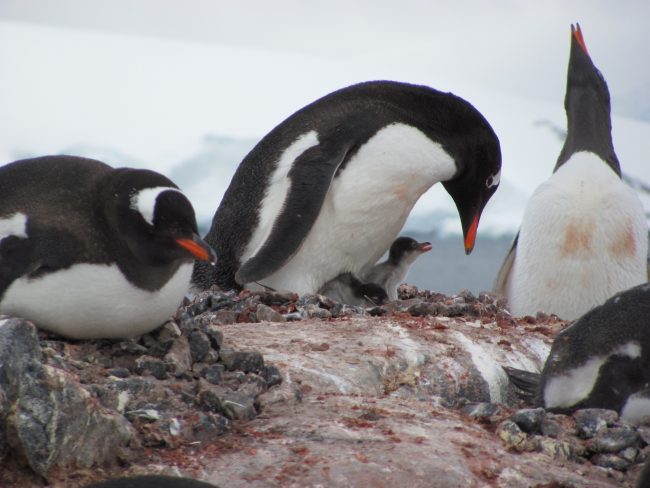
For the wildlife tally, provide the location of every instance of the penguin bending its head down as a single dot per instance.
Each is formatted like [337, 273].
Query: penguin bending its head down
[347, 288]
[584, 234]
[328, 189]
[392, 272]
[603, 359]
[88, 251]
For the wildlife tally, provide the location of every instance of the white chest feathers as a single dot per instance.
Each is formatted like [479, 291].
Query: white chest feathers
[583, 238]
[364, 209]
[89, 301]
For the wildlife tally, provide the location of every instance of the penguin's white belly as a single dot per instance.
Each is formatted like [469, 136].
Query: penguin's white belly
[364, 210]
[88, 301]
[584, 237]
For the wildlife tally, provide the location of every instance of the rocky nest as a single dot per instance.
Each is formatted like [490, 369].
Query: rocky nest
[183, 399]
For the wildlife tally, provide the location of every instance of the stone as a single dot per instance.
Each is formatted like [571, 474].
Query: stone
[277, 298]
[215, 335]
[242, 360]
[213, 373]
[267, 314]
[557, 449]
[155, 367]
[314, 311]
[481, 411]
[238, 406]
[511, 434]
[614, 440]
[422, 309]
[119, 372]
[271, 374]
[178, 358]
[199, 345]
[550, 428]
[292, 317]
[223, 317]
[610, 461]
[54, 422]
[529, 419]
[590, 421]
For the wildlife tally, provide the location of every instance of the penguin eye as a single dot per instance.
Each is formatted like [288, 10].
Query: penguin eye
[493, 180]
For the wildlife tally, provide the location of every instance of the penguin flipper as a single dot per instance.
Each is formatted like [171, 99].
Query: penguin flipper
[501, 283]
[311, 176]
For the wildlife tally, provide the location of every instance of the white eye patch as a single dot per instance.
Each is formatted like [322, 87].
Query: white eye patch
[493, 180]
[14, 225]
[144, 201]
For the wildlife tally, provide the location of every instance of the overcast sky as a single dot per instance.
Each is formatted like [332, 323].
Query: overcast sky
[150, 78]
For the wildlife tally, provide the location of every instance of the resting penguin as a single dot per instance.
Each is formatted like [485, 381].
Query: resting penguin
[584, 235]
[88, 251]
[392, 272]
[603, 359]
[347, 288]
[328, 189]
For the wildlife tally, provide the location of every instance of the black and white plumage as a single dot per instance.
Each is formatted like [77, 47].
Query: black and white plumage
[584, 234]
[88, 251]
[328, 190]
[151, 481]
[391, 273]
[603, 359]
[347, 288]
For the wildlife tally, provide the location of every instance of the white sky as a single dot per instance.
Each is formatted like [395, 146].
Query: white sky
[151, 77]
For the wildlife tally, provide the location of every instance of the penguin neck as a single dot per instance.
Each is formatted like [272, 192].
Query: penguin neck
[589, 129]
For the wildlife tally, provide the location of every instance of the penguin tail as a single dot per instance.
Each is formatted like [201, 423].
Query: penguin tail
[526, 383]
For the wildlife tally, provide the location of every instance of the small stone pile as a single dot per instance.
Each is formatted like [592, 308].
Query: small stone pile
[588, 435]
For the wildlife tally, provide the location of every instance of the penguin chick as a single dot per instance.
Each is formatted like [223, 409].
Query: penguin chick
[392, 272]
[347, 288]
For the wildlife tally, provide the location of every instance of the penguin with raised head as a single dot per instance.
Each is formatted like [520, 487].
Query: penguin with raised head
[602, 360]
[328, 190]
[391, 273]
[88, 251]
[347, 288]
[584, 234]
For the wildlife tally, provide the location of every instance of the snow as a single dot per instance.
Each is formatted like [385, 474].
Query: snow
[192, 108]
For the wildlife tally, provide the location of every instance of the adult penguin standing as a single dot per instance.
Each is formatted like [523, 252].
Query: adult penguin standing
[328, 190]
[584, 234]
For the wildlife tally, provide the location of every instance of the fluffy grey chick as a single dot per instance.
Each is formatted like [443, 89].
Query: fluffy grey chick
[391, 273]
[347, 288]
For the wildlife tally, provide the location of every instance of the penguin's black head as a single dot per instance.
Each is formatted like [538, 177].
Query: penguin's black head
[155, 219]
[584, 79]
[404, 247]
[372, 292]
[478, 159]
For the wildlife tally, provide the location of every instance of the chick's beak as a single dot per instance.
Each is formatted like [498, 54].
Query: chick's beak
[198, 248]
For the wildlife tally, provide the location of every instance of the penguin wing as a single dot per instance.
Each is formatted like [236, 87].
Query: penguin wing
[311, 176]
[501, 283]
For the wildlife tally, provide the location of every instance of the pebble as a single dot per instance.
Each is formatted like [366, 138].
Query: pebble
[267, 314]
[199, 345]
[213, 373]
[610, 461]
[481, 411]
[241, 360]
[271, 374]
[614, 440]
[529, 419]
[153, 366]
[511, 434]
[590, 421]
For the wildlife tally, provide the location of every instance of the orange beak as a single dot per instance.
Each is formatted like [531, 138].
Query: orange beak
[470, 238]
[577, 34]
[198, 248]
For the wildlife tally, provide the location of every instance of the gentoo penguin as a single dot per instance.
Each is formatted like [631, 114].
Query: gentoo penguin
[88, 251]
[602, 360]
[328, 190]
[151, 481]
[584, 235]
[392, 272]
[347, 288]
